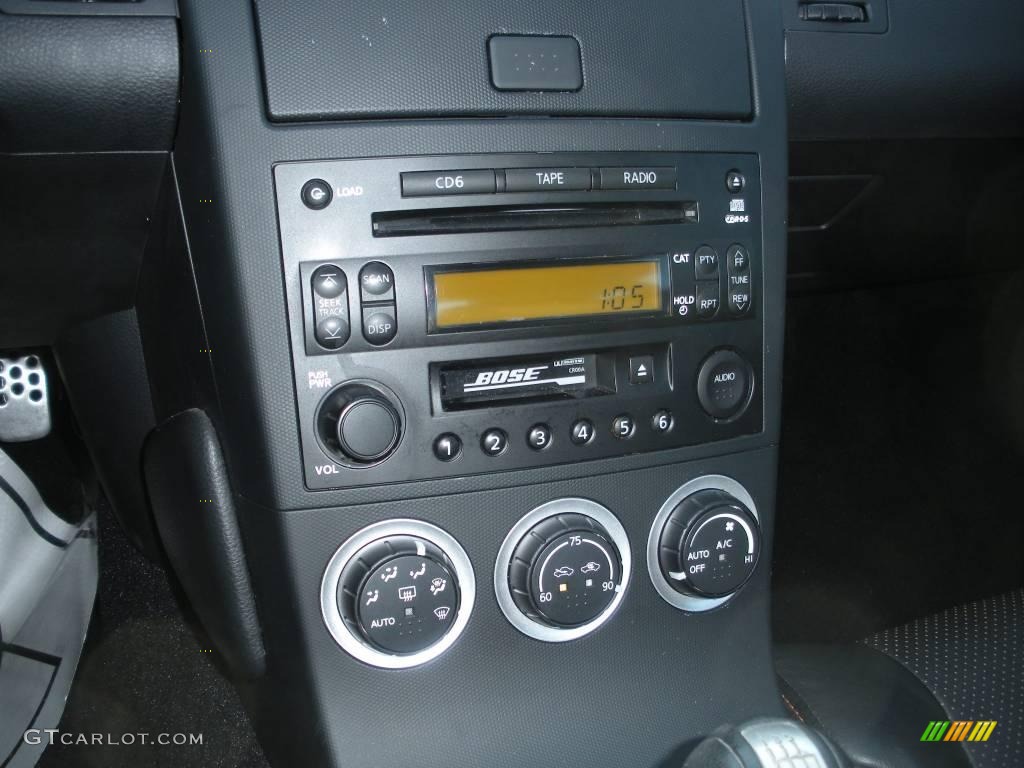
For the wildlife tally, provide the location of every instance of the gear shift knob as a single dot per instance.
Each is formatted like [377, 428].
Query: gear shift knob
[765, 743]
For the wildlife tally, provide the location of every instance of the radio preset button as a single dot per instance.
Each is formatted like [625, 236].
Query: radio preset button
[641, 369]
[582, 432]
[705, 263]
[379, 324]
[447, 447]
[663, 421]
[709, 297]
[494, 442]
[377, 282]
[429, 183]
[623, 427]
[539, 437]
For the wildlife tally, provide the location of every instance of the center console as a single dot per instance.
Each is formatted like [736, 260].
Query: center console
[495, 382]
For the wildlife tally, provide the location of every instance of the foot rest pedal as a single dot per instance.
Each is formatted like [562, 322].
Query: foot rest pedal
[24, 399]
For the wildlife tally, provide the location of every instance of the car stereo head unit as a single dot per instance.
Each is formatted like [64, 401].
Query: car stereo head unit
[523, 310]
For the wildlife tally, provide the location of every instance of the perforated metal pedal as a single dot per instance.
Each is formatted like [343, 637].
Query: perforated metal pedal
[24, 399]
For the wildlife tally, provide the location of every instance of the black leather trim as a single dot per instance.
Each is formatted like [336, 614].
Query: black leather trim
[871, 706]
[195, 514]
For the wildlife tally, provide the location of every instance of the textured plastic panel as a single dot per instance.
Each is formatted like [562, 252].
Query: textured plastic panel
[87, 84]
[327, 60]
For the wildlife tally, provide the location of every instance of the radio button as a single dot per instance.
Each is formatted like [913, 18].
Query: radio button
[543, 179]
[447, 447]
[494, 442]
[623, 427]
[539, 437]
[332, 332]
[709, 297]
[705, 263]
[379, 324]
[582, 432]
[429, 183]
[377, 282]
[662, 421]
[641, 369]
[638, 178]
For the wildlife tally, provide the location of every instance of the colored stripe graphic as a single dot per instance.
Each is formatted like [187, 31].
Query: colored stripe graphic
[959, 730]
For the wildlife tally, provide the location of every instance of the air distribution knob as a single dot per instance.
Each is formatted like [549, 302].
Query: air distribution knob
[709, 545]
[400, 593]
[359, 423]
[565, 572]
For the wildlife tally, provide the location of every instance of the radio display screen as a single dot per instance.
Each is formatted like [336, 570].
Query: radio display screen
[517, 294]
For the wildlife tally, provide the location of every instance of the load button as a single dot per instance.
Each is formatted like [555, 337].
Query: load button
[380, 324]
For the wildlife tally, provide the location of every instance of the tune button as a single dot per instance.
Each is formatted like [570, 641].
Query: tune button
[539, 437]
[582, 432]
[447, 447]
[623, 427]
[662, 421]
[494, 442]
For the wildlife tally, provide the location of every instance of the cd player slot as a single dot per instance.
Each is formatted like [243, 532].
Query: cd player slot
[507, 218]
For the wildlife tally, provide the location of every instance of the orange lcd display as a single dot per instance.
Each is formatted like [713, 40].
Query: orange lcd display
[518, 294]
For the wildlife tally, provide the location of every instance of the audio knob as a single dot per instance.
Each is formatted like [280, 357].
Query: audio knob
[359, 423]
[709, 545]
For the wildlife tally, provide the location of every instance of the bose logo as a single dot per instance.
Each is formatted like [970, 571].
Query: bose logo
[507, 375]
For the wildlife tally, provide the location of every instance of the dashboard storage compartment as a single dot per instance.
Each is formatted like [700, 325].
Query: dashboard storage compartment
[324, 60]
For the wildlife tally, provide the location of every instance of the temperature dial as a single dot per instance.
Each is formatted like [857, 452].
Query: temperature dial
[709, 545]
[565, 572]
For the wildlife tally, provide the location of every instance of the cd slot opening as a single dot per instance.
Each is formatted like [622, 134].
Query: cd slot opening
[508, 218]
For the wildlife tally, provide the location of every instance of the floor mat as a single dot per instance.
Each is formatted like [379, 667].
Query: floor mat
[145, 672]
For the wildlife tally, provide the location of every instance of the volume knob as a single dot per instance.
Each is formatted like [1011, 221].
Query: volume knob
[359, 423]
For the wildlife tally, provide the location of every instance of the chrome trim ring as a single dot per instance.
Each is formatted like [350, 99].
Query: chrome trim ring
[683, 602]
[518, 619]
[354, 644]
